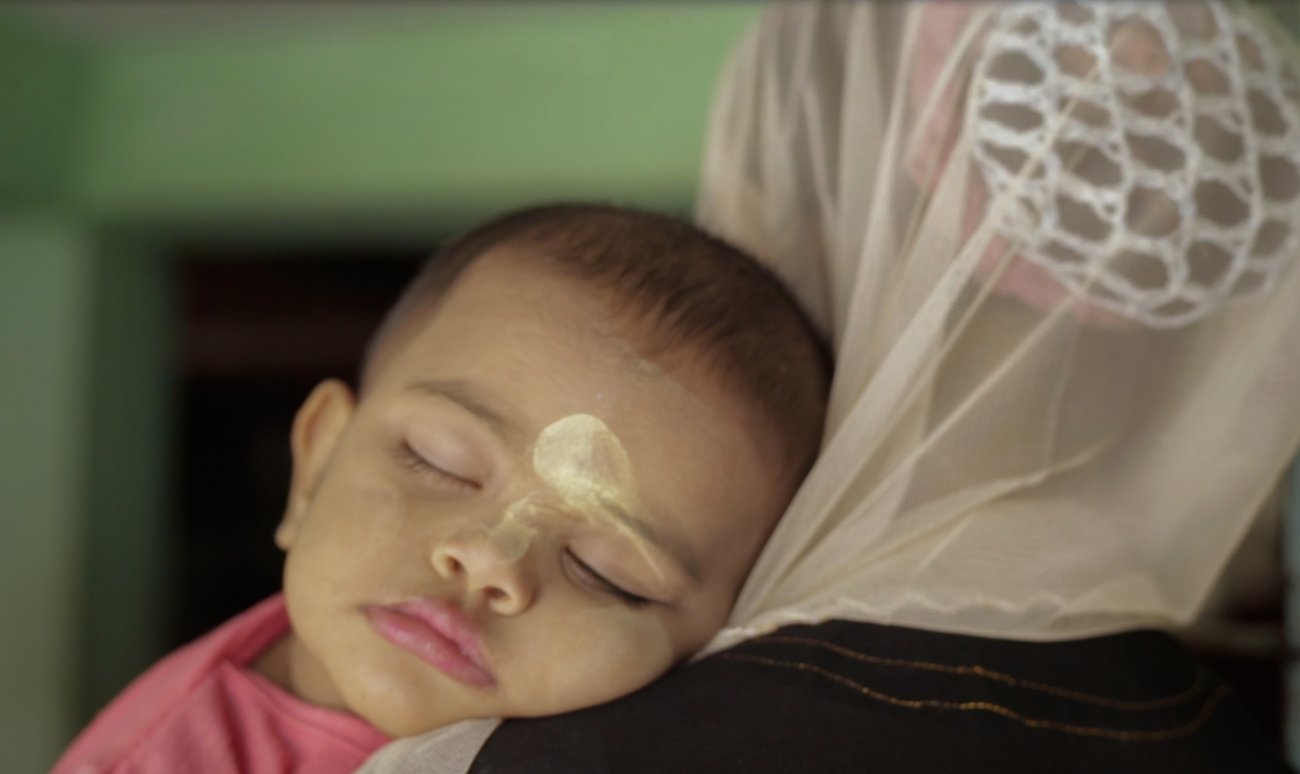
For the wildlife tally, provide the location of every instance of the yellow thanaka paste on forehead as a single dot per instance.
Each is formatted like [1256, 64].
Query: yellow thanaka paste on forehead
[583, 462]
[587, 466]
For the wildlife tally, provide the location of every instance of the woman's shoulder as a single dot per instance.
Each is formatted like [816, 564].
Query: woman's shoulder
[843, 696]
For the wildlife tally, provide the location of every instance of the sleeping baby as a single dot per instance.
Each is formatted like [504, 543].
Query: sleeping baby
[570, 439]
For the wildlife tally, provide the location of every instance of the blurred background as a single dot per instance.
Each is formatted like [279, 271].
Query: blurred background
[205, 208]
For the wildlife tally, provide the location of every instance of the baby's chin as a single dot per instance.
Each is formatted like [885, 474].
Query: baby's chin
[399, 721]
[400, 714]
[398, 724]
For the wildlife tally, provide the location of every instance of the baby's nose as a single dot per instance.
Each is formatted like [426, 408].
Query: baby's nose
[492, 575]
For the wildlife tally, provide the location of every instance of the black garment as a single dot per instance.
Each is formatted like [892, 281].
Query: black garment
[851, 697]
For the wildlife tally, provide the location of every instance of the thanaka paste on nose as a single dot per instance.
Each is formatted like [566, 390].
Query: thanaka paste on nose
[512, 536]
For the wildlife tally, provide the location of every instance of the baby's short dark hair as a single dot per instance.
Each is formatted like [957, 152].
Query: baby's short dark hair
[697, 293]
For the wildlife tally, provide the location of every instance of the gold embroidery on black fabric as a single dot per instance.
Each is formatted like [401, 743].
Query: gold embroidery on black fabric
[1166, 702]
[1211, 701]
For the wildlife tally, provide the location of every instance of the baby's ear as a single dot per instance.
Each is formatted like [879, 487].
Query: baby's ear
[316, 431]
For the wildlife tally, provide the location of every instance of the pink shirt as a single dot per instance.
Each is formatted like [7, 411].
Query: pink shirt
[202, 709]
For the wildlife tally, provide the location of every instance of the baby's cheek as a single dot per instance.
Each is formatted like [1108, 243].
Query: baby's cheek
[377, 517]
[603, 653]
[351, 528]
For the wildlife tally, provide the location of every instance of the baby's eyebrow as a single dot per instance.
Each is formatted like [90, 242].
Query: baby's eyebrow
[467, 397]
[676, 549]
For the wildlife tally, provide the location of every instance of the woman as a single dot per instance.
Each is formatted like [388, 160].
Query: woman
[1053, 246]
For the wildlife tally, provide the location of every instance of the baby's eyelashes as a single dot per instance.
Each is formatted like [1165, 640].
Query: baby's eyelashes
[587, 576]
[417, 463]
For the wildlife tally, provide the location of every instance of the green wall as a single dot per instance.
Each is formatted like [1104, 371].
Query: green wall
[114, 146]
[46, 279]
[46, 266]
[449, 114]
[42, 77]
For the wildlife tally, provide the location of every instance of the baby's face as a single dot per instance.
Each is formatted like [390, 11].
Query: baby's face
[522, 517]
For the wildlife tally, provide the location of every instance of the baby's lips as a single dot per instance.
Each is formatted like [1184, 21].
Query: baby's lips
[448, 620]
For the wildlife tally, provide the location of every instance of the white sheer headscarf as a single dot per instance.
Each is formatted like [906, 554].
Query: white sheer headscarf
[1053, 245]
